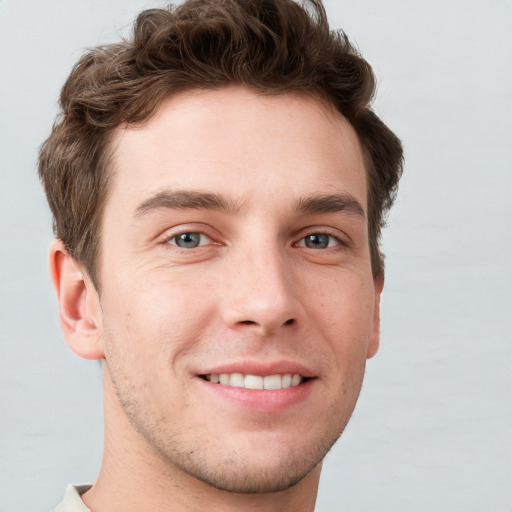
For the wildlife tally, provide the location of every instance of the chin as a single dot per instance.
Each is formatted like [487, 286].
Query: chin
[258, 471]
[251, 480]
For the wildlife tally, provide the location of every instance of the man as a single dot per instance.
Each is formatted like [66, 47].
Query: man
[218, 184]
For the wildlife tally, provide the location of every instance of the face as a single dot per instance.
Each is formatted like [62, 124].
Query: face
[235, 249]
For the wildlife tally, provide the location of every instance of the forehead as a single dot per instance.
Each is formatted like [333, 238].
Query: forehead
[237, 142]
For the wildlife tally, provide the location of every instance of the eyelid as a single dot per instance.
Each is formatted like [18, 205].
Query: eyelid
[166, 237]
[339, 242]
[170, 239]
[342, 239]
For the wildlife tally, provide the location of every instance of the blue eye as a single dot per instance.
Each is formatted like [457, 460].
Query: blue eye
[189, 240]
[320, 241]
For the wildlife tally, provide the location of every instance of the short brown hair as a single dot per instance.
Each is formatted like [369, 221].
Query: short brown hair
[270, 46]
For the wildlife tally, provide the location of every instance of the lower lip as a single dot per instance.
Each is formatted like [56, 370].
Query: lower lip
[262, 400]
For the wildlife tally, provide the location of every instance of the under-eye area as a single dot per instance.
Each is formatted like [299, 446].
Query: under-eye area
[269, 382]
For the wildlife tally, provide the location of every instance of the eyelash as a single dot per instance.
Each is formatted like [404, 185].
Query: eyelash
[339, 242]
[174, 237]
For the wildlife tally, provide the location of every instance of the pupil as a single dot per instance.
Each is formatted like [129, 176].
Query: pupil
[188, 240]
[317, 241]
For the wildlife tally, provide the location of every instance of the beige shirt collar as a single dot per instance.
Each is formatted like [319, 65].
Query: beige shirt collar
[72, 501]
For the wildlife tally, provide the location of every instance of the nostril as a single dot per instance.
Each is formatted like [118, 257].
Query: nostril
[267, 326]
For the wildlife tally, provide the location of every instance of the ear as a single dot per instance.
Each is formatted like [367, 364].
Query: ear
[373, 344]
[79, 306]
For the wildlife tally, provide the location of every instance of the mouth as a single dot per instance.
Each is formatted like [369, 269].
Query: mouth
[248, 381]
[261, 388]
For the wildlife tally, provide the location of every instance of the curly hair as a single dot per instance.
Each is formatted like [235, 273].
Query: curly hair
[272, 47]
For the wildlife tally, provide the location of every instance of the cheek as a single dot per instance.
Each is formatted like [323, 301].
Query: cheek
[344, 312]
[156, 320]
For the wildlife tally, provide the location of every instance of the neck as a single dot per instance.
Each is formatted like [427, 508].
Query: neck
[134, 477]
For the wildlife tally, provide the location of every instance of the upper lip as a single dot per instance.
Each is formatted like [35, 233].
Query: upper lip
[260, 368]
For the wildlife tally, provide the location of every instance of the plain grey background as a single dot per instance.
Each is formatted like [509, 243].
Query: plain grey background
[432, 429]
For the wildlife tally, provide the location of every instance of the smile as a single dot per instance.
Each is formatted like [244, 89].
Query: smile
[269, 382]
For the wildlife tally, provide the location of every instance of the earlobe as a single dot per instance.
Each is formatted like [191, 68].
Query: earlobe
[79, 309]
[373, 344]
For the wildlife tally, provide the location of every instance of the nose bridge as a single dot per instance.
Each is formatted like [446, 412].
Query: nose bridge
[261, 291]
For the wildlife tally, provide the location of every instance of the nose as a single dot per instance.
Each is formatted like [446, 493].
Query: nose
[261, 295]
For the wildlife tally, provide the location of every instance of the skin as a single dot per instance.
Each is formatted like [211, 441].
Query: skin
[275, 189]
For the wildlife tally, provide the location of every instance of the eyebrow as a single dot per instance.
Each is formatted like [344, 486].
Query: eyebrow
[197, 200]
[187, 199]
[330, 203]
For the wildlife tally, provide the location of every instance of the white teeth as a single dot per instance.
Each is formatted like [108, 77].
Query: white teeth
[236, 380]
[253, 382]
[287, 381]
[239, 380]
[296, 380]
[272, 382]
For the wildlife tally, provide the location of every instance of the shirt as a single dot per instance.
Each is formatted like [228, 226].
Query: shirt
[72, 501]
